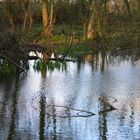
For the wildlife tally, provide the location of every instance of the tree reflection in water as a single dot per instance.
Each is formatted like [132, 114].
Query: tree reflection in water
[12, 127]
[42, 116]
[80, 87]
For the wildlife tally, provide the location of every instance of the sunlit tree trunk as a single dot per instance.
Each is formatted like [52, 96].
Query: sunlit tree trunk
[45, 14]
[97, 21]
[51, 11]
[90, 27]
[48, 16]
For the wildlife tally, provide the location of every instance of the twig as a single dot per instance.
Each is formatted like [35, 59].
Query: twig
[70, 108]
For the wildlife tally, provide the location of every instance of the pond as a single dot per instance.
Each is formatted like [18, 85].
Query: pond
[59, 104]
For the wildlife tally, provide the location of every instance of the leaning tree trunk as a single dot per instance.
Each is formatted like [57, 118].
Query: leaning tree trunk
[45, 14]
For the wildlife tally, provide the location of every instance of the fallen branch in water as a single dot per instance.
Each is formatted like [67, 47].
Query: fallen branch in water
[68, 109]
[14, 63]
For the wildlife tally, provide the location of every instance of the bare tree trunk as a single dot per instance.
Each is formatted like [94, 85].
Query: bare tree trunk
[90, 27]
[9, 15]
[51, 11]
[11, 23]
[48, 16]
[98, 6]
[31, 22]
[139, 7]
[30, 17]
[128, 8]
[25, 20]
[45, 14]
[85, 30]
[27, 15]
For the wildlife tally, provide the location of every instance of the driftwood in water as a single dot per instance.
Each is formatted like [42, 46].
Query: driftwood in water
[14, 63]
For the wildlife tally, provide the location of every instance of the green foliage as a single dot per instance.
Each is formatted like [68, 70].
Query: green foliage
[82, 48]
[41, 65]
[6, 68]
[117, 28]
[61, 37]
[127, 37]
[11, 48]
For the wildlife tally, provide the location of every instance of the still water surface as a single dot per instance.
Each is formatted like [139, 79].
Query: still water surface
[24, 100]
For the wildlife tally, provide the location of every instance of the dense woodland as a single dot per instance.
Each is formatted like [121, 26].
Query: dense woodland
[55, 25]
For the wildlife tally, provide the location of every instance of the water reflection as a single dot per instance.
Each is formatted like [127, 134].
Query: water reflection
[97, 61]
[12, 127]
[123, 115]
[103, 126]
[87, 85]
[132, 105]
[54, 120]
[104, 107]
[4, 101]
[42, 117]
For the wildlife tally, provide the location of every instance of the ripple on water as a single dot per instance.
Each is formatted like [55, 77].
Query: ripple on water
[81, 87]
